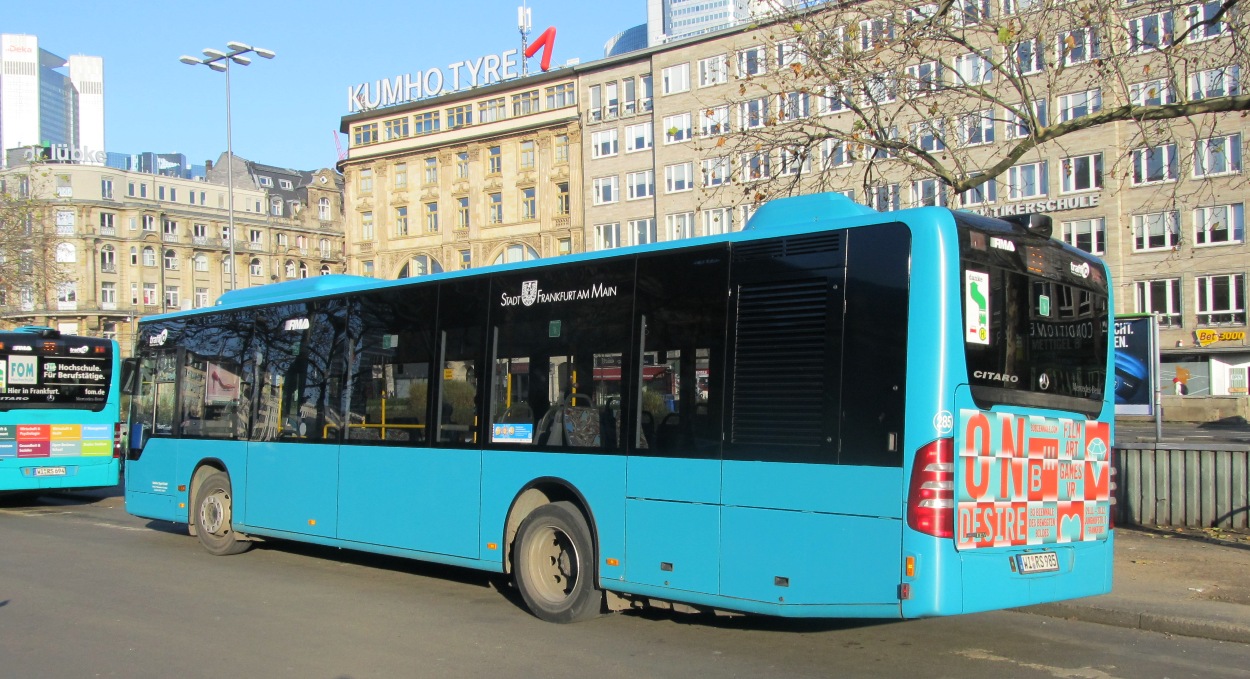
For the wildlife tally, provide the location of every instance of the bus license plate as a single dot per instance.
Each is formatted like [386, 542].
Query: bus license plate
[1037, 562]
[49, 471]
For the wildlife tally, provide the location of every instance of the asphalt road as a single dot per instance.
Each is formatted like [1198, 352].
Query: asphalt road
[87, 590]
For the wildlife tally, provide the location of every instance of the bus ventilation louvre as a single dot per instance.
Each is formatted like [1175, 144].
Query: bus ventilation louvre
[931, 497]
[781, 359]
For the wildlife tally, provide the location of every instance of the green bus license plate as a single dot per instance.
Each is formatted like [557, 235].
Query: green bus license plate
[1037, 562]
[49, 471]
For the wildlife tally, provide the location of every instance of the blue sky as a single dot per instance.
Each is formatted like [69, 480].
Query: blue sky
[286, 111]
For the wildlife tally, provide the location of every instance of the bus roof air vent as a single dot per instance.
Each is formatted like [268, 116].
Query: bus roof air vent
[1034, 224]
[40, 330]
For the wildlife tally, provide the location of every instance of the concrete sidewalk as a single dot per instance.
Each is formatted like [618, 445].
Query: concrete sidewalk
[1187, 582]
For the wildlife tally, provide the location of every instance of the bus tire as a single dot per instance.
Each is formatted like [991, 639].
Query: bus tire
[554, 565]
[212, 516]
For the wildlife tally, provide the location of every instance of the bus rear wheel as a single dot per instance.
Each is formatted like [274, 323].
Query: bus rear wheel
[212, 515]
[554, 565]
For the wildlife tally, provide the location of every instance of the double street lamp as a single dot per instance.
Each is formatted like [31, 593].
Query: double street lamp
[220, 61]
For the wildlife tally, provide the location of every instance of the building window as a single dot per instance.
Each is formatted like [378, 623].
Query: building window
[108, 259]
[559, 96]
[605, 190]
[756, 166]
[431, 217]
[462, 214]
[201, 298]
[466, 259]
[171, 297]
[1027, 58]
[752, 61]
[974, 68]
[366, 226]
[494, 208]
[107, 223]
[675, 79]
[108, 295]
[714, 120]
[365, 181]
[171, 260]
[529, 203]
[1200, 17]
[149, 256]
[713, 70]
[1156, 231]
[425, 123]
[1154, 164]
[981, 194]
[459, 116]
[1077, 46]
[677, 128]
[924, 78]
[928, 192]
[1019, 127]
[679, 177]
[977, 128]
[492, 110]
[1221, 299]
[275, 206]
[289, 270]
[643, 230]
[199, 262]
[1151, 93]
[395, 128]
[527, 158]
[603, 143]
[1079, 104]
[1081, 173]
[1161, 298]
[431, 171]
[640, 184]
[106, 188]
[875, 32]
[1086, 234]
[149, 294]
[562, 199]
[835, 99]
[257, 237]
[884, 198]
[834, 153]
[753, 113]
[462, 165]
[366, 268]
[680, 225]
[880, 88]
[1219, 225]
[715, 171]
[64, 222]
[399, 174]
[323, 209]
[1215, 82]
[608, 236]
[1150, 32]
[637, 137]
[264, 181]
[525, 103]
[365, 134]
[561, 146]
[1217, 156]
[718, 220]
[1027, 181]
[795, 160]
[401, 221]
[794, 106]
[494, 160]
[929, 136]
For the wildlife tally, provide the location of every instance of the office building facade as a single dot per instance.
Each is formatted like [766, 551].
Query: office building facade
[51, 102]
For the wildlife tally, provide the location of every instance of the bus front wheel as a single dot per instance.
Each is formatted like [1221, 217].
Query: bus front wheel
[213, 508]
[554, 564]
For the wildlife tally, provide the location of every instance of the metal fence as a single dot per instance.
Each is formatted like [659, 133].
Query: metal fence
[1180, 484]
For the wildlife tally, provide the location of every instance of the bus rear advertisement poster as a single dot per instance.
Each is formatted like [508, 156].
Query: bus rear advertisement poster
[1032, 480]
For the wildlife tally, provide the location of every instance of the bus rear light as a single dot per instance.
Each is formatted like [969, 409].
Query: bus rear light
[117, 440]
[931, 497]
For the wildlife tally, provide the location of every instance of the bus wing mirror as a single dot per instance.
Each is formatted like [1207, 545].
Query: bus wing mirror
[130, 374]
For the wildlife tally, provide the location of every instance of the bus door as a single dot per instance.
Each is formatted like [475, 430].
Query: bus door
[674, 465]
[292, 450]
[151, 459]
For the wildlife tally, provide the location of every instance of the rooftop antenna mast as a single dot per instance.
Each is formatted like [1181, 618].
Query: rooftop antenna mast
[524, 21]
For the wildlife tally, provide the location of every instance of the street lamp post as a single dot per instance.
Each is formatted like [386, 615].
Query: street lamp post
[220, 61]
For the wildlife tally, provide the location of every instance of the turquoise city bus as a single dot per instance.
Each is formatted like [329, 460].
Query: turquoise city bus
[834, 412]
[60, 411]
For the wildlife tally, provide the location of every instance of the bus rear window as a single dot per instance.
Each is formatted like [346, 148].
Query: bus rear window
[62, 372]
[1035, 334]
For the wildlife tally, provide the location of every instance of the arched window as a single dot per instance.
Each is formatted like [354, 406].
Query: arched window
[290, 269]
[275, 206]
[108, 258]
[325, 269]
[323, 209]
[171, 260]
[66, 253]
[303, 270]
[200, 261]
[420, 265]
[149, 256]
[254, 268]
[517, 252]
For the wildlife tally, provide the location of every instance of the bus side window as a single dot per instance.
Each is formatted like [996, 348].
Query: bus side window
[462, 311]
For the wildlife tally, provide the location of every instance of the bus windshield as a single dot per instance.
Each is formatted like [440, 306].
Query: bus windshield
[57, 372]
[1035, 318]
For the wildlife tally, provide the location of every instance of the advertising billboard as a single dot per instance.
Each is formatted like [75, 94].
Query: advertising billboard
[1136, 365]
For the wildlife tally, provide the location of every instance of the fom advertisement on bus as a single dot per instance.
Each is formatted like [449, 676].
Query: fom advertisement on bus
[1135, 365]
[1031, 480]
